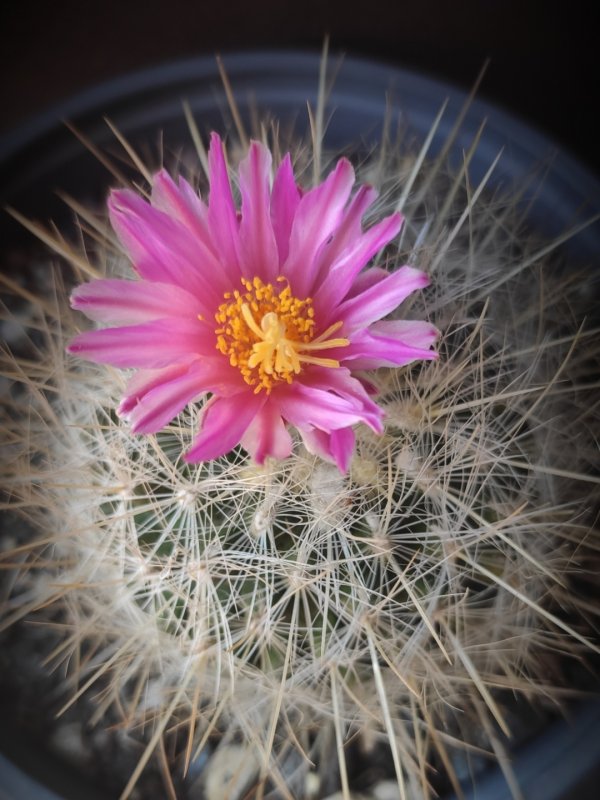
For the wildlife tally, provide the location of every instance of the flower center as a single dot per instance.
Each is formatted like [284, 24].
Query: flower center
[268, 334]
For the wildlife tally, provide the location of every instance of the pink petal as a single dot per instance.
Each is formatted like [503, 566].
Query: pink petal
[144, 380]
[258, 248]
[370, 352]
[336, 447]
[366, 279]
[306, 407]
[182, 203]
[164, 250]
[349, 230]
[151, 344]
[161, 402]
[415, 332]
[351, 226]
[341, 447]
[343, 272]
[267, 435]
[121, 302]
[222, 215]
[317, 443]
[285, 198]
[345, 385]
[224, 422]
[377, 301]
[318, 215]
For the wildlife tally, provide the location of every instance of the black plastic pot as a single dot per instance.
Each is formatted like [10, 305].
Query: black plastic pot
[44, 155]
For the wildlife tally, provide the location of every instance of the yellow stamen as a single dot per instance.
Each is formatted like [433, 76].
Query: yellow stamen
[266, 332]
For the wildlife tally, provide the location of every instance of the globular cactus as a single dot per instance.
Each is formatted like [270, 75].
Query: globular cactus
[300, 611]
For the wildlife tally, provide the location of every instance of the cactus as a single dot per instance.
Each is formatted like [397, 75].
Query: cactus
[290, 607]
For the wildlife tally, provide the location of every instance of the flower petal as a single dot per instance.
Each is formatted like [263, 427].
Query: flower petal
[144, 380]
[337, 446]
[267, 435]
[349, 230]
[370, 352]
[343, 383]
[222, 216]
[306, 407]
[182, 203]
[366, 279]
[224, 421]
[162, 401]
[121, 302]
[285, 198]
[414, 332]
[164, 250]
[258, 248]
[151, 344]
[378, 300]
[318, 215]
[317, 442]
[344, 270]
[341, 447]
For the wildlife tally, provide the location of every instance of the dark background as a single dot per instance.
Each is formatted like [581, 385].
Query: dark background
[543, 55]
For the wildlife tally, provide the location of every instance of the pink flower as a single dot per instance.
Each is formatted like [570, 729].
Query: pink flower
[271, 310]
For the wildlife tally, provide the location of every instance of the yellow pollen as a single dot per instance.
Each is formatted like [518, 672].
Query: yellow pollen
[268, 334]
